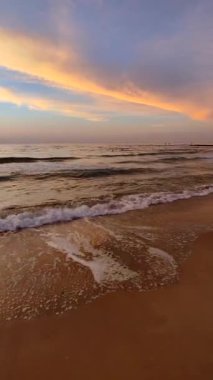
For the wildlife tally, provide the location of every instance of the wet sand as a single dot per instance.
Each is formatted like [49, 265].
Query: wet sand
[165, 333]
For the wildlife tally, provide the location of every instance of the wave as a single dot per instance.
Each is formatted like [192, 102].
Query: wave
[78, 173]
[10, 160]
[144, 154]
[131, 162]
[164, 159]
[122, 205]
[94, 173]
[179, 158]
[8, 177]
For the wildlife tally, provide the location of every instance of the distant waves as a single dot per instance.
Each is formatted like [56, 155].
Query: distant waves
[10, 160]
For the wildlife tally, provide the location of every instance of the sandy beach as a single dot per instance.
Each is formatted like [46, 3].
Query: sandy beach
[165, 333]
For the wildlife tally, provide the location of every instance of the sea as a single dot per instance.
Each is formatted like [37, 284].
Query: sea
[80, 221]
[46, 184]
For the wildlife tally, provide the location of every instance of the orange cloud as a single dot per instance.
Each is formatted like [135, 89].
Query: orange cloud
[44, 104]
[61, 66]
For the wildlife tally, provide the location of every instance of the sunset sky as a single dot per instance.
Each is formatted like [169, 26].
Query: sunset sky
[106, 71]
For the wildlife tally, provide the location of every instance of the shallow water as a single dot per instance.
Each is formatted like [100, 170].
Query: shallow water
[56, 268]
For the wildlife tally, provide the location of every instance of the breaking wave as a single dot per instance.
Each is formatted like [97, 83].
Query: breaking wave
[122, 205]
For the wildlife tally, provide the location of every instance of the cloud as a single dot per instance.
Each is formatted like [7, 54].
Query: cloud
[48, 105]
[60, 66]
[169, 72]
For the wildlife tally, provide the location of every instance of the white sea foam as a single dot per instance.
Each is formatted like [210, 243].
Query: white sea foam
[164, 264]
[14, 222]
[156, 252]
[104, 268]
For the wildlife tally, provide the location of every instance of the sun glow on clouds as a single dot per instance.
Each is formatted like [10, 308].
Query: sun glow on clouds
[50, 105]
[118, 62]
[61, 66]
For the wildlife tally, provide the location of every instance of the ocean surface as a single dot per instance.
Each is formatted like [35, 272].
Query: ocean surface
[45, 184]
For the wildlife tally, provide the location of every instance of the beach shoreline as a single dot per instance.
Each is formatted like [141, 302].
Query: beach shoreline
[165, 333]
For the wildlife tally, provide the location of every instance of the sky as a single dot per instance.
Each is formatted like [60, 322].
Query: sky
[106, 71]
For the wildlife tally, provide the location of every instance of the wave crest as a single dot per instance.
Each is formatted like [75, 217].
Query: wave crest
[124, 204]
